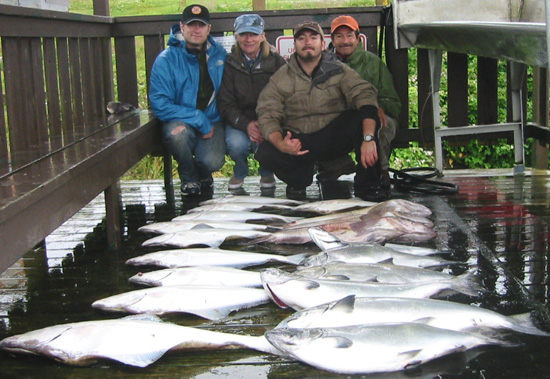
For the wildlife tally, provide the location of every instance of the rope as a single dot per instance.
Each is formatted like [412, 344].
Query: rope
[407, 180]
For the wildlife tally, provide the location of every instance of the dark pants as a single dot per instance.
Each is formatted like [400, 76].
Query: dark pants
[339, 137]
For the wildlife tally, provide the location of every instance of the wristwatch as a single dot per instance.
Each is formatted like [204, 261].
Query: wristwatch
[368, 137]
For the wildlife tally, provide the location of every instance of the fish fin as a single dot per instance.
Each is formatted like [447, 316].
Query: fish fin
[311, 284]
[339, 342]
[325, 240]
[138, 360]
[424, 320]
[211, 314]
[143, 317]
[410, 355]
[202, 226]
[387, 261]
[337, 277]
[345, 305]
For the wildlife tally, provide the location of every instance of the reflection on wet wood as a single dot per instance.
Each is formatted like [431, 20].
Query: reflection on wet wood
[497, 224]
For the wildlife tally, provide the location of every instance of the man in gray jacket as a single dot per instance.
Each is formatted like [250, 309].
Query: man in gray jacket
[317, 108]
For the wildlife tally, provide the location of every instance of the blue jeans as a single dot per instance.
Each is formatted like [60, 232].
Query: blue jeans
[197, 157]
[239, 147]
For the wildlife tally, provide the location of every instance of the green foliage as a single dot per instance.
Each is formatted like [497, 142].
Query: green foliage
[413, 156]
[160, 7]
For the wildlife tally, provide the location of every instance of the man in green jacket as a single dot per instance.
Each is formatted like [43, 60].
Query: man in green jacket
[347, 45]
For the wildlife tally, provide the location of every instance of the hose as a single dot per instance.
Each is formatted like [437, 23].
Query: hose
[407, 180]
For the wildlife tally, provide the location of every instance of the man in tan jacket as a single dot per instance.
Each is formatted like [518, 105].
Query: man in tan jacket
[317, 108]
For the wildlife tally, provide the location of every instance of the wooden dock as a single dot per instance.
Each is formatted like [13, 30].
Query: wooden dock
[498, 224]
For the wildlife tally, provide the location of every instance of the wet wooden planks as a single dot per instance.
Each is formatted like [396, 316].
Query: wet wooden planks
[46, 290]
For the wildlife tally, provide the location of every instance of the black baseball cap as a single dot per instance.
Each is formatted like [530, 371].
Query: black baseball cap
[195, 12]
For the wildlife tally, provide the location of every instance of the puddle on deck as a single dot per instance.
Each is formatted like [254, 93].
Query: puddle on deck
[497, 224]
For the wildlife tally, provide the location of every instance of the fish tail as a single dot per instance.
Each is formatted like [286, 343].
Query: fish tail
[525, 323]
[468, 284]
[295, 259]
[264, 239]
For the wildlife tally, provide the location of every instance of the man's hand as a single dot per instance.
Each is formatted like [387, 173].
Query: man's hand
[287, 144]
[382, 117]
[369, 154]
[254, 132]
[210, 134]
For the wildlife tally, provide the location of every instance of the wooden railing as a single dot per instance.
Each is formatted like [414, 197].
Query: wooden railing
[57, 70]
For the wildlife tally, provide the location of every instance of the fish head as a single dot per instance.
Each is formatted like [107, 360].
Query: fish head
[319, 259]
[119, 302]
[282, 287]
[285, 339]
[321, 315]
[33, 342]
[306, 343]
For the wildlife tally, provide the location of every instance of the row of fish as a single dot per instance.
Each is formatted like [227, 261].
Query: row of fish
[359, 307]
[214, 223]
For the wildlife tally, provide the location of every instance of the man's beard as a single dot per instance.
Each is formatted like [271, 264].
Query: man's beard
[309, 56]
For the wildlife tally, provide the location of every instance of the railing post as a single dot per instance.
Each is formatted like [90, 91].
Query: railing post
[101, 8]
[258, 5]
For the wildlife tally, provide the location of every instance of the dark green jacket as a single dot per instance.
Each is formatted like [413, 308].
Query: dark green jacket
[372, 69]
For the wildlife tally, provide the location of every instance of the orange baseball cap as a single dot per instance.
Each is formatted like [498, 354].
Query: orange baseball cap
[348, 21]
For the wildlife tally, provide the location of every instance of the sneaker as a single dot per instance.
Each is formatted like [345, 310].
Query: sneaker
[334, 174]
[235, 183]
[267, 181]
[207, 183]
[295, 193]
[190, 189]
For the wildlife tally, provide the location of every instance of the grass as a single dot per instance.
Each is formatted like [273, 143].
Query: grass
[159, 7]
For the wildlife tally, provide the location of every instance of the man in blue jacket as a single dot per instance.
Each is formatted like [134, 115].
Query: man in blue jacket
[185, 81]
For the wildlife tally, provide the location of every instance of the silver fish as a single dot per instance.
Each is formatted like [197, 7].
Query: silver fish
[181, 226]
[134, 340]
[335, 250]
[373, 348]
[327, 241]
[251, 199]
[415, 250]
[202, 275]
[210, 302]
[377, 272]
[367, 230]
[208, 237]
[238, 207]
[335, 205]
[235, 216]
[398, 207]
[450, 315]
[374, 254]
[210, 257]
[287, 290]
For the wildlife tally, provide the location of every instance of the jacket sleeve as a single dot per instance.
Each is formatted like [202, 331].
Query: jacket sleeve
[270, 108]
[358, 92]
[227, 102]
[387, 95]
[163, 95]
